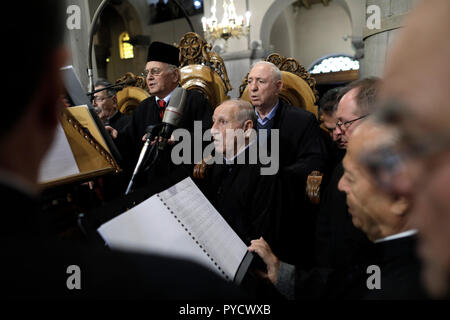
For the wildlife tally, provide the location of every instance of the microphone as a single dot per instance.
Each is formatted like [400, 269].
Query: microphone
[172, 115]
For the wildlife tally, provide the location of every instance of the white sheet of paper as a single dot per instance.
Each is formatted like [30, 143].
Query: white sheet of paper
[211, 229]
[150, 227]
[59, 161]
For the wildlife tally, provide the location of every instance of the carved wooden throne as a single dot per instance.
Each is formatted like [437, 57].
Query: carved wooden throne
[202, 69]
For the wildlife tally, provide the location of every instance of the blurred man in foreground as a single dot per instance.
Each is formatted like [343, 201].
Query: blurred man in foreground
[416, 101]
[383, 218]
[35, 265]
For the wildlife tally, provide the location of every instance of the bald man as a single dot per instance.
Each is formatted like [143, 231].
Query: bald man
[416, 101]
[248, 200]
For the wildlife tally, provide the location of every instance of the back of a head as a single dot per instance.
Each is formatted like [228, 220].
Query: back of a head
[245, 111]
[34, 32]
[366, 98]
[327, 104]
[105, 83]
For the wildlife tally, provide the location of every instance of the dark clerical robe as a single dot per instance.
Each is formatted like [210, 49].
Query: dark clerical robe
[386, 270]
[129, 141]
[338, 242]
[302, 151]
[248, 201]
[119, 121]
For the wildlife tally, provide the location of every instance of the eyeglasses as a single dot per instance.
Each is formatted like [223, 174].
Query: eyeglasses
[100, 99]
[153, 72]
[347, 124]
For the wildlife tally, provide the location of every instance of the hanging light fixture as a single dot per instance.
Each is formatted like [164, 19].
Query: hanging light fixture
[231, 24]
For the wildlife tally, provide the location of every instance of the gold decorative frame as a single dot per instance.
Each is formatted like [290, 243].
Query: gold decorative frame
[129, 97]
[92, 159]
[202, 69]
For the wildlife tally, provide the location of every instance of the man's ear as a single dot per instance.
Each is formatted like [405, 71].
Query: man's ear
[400, 206]
[279, 85]
[177, 75]
[248, 126]
[114, 99]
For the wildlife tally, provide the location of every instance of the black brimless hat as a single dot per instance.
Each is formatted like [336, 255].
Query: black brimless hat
[163, 52]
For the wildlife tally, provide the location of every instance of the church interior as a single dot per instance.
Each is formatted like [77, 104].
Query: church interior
[323, 92]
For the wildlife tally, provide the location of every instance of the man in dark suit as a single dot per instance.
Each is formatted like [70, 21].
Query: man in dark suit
[416, 97]
[236, 185]
[34, 265]
[106, 100]
[163, 76]
[389, 268]
[301, 151]
[338, 242]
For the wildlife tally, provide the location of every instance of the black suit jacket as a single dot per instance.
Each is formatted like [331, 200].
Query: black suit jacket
[35, 265]
[399, 275]
[119, 121]
[129, 141]
[248, 201]
[338, 242]
[302, 151]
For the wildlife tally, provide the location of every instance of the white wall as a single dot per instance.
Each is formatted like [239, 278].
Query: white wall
[317, 32]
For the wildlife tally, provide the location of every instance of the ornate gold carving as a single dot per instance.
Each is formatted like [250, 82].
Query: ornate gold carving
[131, 95]
[201, 168]
[139, 81]
[195, 50]
[313, 186]
[67, 117]
[291, 65]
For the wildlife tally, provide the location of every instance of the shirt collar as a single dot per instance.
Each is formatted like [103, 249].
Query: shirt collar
[269, 116]
[397, 236]
[113, 115]
[166, 99]
[230, 161]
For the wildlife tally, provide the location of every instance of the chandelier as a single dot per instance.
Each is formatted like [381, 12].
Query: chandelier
[231, 25]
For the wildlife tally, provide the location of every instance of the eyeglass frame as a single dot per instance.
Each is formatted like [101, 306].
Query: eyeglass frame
[347, 124]
[145, 73]
[103, 98]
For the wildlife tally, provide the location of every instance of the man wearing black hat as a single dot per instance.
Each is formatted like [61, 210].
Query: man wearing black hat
[162, 76]
[34, 264]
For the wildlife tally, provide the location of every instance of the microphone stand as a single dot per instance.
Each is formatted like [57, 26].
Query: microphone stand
[90, 94]
[143, 156]
[92, 32]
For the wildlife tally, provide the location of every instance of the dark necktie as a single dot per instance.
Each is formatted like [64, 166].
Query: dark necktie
[162, 108]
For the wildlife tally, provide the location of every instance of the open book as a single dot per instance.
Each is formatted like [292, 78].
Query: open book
[181, 222]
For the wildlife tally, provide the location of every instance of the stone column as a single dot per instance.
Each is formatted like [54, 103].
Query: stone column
[377, 41]
[77, 40]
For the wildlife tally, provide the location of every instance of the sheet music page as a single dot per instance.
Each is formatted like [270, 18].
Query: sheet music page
[210, 228]
[150, 228]
[59, 161]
